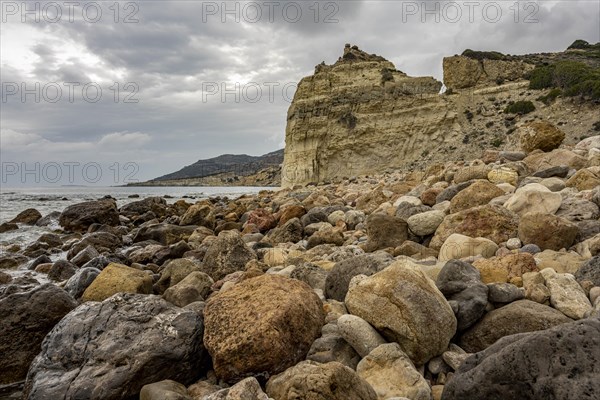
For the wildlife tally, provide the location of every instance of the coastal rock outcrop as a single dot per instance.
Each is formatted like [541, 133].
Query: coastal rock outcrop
[359, 116]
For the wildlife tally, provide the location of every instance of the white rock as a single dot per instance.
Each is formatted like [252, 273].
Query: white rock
[408, 199]
[392, 374]
[567, 296]
[459, 246]
[534, 198]
[359, 334]
[426, 223]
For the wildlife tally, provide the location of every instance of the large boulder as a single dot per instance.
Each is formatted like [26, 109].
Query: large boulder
[310, 380]
[78, 217]
[338, 279]
[505, 268]
[110, 350]
[477, 194]
[534, 198]
[404, 305]
[540, 135]
[385, 231]
[547, 231]
[157, 205]
[390, 373]
[261, 326]
[117, 278]
[25, 319]
[227, 254]
[27, 217]
[461, 283]
[559, 363]
[518, 317]
[490, 221]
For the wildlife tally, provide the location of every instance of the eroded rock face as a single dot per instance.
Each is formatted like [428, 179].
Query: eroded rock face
[110, 350]
[559, 363]
[346, 101]
[462, 72]
[25, 319]
[310, 380]
[261, 326]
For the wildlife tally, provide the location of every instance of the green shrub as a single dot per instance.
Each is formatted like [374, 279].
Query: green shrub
[574, 78]
[550, 97]
[541, 77]
[483, 55]
[497, 142]
[520, 107]
[579, 44]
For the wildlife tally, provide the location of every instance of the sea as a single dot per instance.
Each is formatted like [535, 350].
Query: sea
[48, 199]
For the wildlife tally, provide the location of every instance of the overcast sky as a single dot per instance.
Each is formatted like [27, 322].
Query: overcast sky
[163, 66]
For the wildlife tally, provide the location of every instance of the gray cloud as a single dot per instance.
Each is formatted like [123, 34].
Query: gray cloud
[172, 53]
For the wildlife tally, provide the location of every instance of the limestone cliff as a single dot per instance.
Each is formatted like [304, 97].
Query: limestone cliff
[360, 116]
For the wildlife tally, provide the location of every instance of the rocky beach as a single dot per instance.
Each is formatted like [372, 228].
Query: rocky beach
[467, 280]
[394, 263]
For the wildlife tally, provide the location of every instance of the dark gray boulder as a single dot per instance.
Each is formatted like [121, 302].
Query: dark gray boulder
[561, 363]
[25, 319]
[461, 284]
[109, 350]
[83, 278]
[78, 217]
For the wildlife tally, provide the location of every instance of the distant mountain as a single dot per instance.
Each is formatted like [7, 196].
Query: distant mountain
[236, 164]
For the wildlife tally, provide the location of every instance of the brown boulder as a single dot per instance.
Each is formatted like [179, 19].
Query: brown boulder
[28, 217]
[547, 231]
[477, 194]
[540, 135]
[385, 231]
[78, 217]
[505, 268]
[117, 278]
[490, 221]
[261, 326]
[583, 180]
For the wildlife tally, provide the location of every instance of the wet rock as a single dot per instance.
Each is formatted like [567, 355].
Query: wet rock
[461, 283]
[8, 226]
[85, 255]
[25, 319]
[309, 380]
[243, 344]
[110, 350]
[560, 363]
[27, 217]
[117, 278]
[404, 305]
[227, 254]
[392, 374]
[79, 217]
[518, 317]
[50, 219]
[547, 231]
